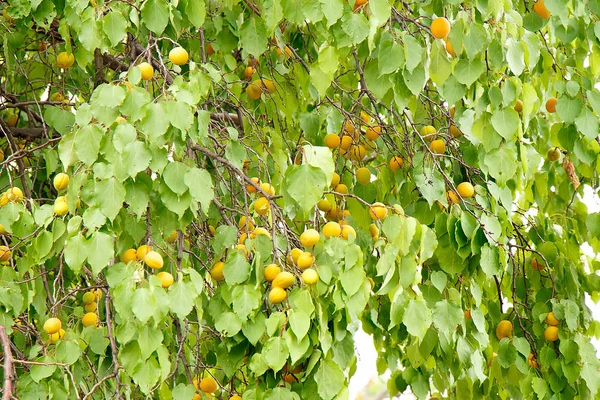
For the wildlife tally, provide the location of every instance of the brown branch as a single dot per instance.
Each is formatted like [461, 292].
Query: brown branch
[113, 344]
[7, 389]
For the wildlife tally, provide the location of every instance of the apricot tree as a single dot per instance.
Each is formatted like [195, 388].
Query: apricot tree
[208, 198]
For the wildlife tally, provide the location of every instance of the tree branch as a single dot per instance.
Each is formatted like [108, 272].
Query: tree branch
[7, 389]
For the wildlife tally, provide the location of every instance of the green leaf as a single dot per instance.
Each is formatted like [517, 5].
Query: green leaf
[417, 318]
[146, 374]
[587, 123]
[41, 371]
[200, 185]
[180, 115]
[516, 56]
[98, 342]
[110, 195]
[155, 14]
[136, 158]
[439, 65]
[439, 280]
[591, 376]
[413, 53]
[506, 123]
[304, 185]
[446, 317]
[75, 252]
[229, 324]
[390, 56]
[502, 164]
[149, 340]
[507, 354]
[195, 11]
[333, 10]
[253, 36]
[173, 176]
[475, 40]
[115, 27]
[181, 298]
[236, 269]
[107, 95]
[568, 109]
[67, 351]
[539, 387]
[100, 251]
[245, 299]
[569, 349]
[87, 143]
[330, 379]
[299, 322]
[143, 304]
[467, 72]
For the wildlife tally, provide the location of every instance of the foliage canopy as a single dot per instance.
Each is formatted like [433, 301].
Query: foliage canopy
[451, 170]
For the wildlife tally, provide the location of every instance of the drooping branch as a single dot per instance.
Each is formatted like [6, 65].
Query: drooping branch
[7, 388]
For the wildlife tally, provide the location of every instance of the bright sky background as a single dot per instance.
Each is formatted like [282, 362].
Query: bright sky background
[367, 356]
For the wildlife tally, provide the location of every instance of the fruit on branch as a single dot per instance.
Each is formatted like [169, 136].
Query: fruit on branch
[466, 190]
[440, 28]
[61, 208]
[310, 237]
[535, 264]
[504, 329]
[14, 195]
[142, 251]
[553, 154]
[374, 231]
[438, 146]
[61, 181]
[284, 280]
[253, 91]
[147, 71]
[179, 56]
[455, 132]
[262, 206]
[551, 319]
[259, 231]
[396, 163]
[449, 48]
[341, 188]
[208, 385]
[335, 180]
[332, 229]
[166, 279]
[267, 85]
[287, 50]
[551, 334]
[293, 256]
[378, 211]
[346, 142]
[305, 260]
[216, 272]
[428, 132]
[172, 238]
[267, 188]
[209, 49]
[494, 355]
[89, 319]
[271, 272]
[519, 106]
[89, 297]
[348, 231]
[251, 188]
[358, 4]
[540, 9]
[551, 104]
[324, 205]
[332, 141]
[5, 253]
[52, 325]
[58, 97]
[373, 132]
[532, 361]
[153, 260]
[467, 313]
[277, 295]
[310, 276]
[65, 60]
[11, 120]
[55, 337]
[129, 255]
[91, 307]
